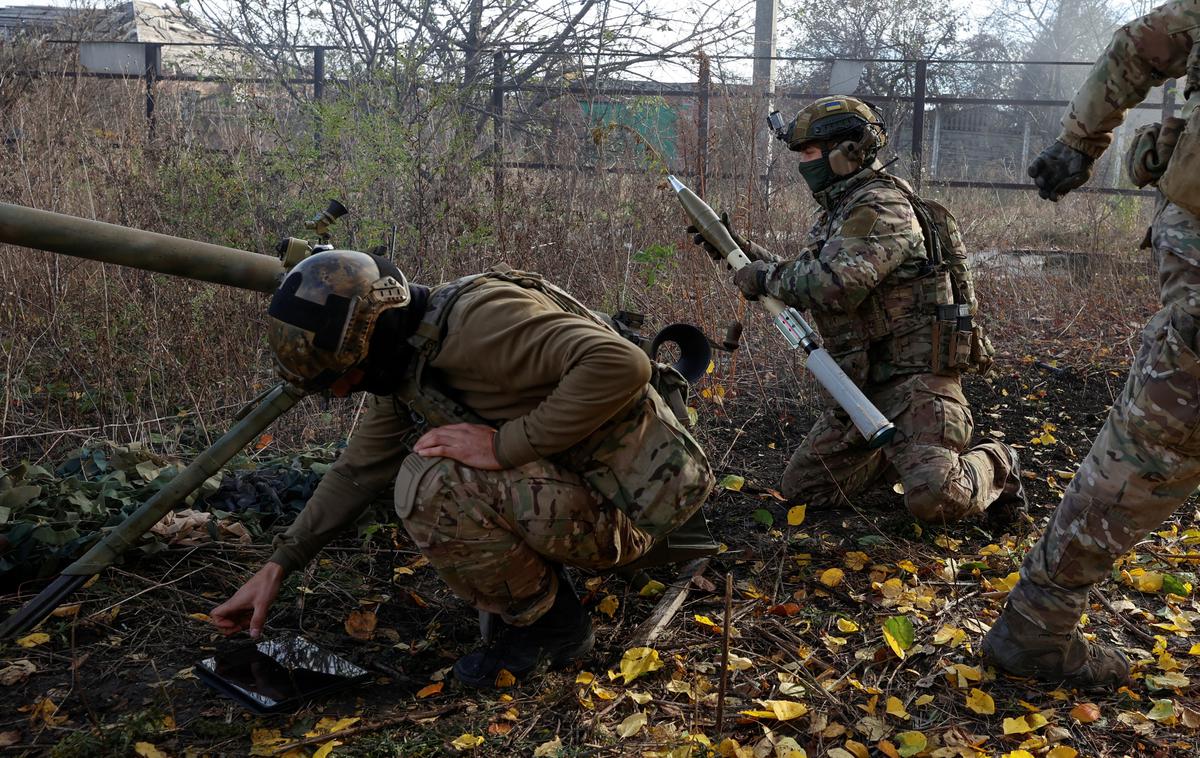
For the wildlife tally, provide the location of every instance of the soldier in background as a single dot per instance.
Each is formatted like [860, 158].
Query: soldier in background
[884, 274]
[1146, 459]
[522, 433]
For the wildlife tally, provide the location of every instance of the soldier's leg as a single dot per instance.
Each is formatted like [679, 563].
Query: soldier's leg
[941, 482]
[832, 464]
[1144, 463]
[494, 536]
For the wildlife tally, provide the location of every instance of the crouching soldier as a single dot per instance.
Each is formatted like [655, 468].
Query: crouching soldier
[521, 432]
[884, 275]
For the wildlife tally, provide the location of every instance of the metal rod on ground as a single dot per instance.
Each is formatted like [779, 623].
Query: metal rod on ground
[275, 402]
[672, 600]
[724, 656]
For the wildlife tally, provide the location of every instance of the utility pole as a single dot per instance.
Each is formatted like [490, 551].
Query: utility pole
[766, 15]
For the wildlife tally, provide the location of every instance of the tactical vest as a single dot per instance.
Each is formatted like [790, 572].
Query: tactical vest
[1180, 183]
[919, 325]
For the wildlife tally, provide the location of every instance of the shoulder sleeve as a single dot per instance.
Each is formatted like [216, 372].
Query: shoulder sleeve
[1143, 54]
[877, 233]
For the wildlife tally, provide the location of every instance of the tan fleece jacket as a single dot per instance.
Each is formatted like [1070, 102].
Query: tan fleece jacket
[548, 379]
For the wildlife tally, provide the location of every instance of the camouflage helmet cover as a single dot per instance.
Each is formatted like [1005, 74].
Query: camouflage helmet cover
[323, 314]
[828, 118]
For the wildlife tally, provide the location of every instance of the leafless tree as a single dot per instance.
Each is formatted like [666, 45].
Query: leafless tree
[411, 46]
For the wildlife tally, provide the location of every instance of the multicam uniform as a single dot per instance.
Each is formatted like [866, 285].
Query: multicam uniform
[597, 467]
[865, 276]
[1146, 459]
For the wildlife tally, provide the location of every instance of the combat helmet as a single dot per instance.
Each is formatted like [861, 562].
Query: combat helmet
[854, 126]
[323, 314]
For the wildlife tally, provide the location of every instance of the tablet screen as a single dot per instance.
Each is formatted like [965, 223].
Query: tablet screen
[280, 671]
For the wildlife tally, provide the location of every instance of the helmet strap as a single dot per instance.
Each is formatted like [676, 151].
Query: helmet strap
[385, 369]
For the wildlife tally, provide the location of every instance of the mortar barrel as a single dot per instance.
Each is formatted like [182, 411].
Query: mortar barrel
[110, 243]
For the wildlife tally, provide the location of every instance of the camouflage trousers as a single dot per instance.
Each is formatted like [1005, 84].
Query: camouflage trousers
[1146, 459]
[493, 536]
[934, 424]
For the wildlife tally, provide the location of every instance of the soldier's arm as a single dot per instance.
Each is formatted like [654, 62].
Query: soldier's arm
[366, 467]
[525, 346]
[1143, 54]
[871, 242]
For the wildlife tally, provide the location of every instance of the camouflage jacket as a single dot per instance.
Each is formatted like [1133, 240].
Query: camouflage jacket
[1143, 54]
[865, 276]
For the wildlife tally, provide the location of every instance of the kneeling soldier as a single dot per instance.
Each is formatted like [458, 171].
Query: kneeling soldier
[522, 434]
[884, 274]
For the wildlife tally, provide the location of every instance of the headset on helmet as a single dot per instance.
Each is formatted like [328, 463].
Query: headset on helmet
[323, 314]
[858, 123]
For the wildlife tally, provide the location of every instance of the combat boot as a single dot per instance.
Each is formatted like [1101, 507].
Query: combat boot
[560, 636]
[1011, 509]
[1020, 647]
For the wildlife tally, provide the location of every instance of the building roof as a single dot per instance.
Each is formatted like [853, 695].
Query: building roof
[130, 21]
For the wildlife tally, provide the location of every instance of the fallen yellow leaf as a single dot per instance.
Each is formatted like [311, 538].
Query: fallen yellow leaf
[795, 515]
[1024, 724]
[265, 741]
[505, 678]
[910, 743]
[467, 741]
[33, 640]
[846, 626]
[148, 750]
[652, 588]
[786, 710]
[632, 725]
[832, 577]
[857, 749]
[856, 560]
[638, 661]
[608, 606]
[980, 702]
[896, 708]
[329, 725]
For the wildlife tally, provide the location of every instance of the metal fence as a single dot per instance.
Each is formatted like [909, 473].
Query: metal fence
[942, 135]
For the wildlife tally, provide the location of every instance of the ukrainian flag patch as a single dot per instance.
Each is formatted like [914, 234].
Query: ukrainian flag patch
[836, 105]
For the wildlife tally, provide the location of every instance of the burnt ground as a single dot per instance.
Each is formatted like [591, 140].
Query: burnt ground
[116, 677]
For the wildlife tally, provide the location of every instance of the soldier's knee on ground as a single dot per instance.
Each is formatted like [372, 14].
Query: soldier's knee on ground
[932, 495]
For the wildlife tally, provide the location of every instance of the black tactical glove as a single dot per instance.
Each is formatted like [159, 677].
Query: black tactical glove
[752, 279]
[712, 251]
[1060, 169]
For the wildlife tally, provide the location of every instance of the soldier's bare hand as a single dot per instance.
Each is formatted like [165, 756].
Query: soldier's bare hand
[248, 607]
[469, 444]
[1060, 169]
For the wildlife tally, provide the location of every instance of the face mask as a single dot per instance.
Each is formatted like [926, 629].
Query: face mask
[818, 174]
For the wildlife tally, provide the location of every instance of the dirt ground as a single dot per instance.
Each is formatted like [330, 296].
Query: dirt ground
[810, 661]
